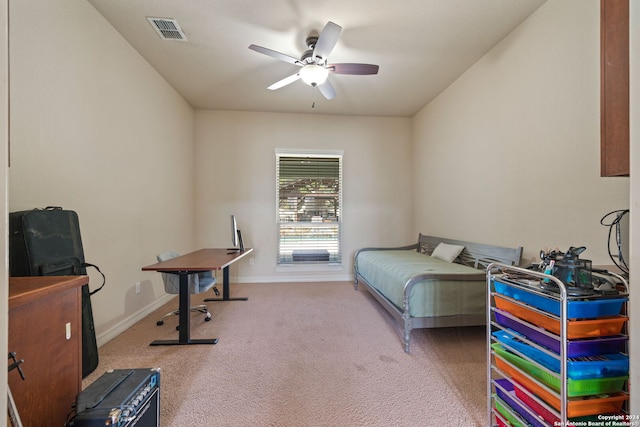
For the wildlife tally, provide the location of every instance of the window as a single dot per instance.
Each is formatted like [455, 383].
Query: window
[309, 207]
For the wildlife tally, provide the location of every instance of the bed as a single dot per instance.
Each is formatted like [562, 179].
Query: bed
[434, 283]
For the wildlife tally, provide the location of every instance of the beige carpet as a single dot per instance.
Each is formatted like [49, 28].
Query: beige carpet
[307, 354]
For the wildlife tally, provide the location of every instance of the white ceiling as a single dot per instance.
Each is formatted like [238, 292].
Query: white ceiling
[421, 46]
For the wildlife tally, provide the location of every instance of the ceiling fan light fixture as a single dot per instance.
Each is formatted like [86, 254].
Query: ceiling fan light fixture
[314, 70]
[314, 74]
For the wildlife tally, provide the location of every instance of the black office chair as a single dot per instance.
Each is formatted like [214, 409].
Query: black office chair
[198, 283]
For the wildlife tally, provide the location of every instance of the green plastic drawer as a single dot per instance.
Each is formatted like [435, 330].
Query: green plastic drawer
[585, 387]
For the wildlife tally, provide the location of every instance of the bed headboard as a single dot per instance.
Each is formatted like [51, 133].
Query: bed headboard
[477, 255]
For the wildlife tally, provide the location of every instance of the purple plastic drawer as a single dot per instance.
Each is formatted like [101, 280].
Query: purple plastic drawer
[506, 391]
[575, 348]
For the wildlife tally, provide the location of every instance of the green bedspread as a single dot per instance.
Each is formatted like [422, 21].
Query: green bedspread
[389, 270]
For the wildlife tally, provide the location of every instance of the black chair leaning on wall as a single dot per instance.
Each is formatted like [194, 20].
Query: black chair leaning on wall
[198, 283]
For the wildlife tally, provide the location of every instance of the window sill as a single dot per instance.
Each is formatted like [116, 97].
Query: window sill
[308, 267]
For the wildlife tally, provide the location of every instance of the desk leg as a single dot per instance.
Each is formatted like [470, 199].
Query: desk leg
[225, 289]
[184, 317]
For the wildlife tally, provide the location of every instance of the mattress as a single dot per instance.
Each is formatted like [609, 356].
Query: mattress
[389, 270]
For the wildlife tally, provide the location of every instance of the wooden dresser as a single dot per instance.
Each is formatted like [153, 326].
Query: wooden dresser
[45, 321]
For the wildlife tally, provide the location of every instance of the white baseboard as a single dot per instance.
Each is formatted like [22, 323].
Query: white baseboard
[125, 324]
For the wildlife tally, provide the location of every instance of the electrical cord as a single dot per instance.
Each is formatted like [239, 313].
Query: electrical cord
[621, 263]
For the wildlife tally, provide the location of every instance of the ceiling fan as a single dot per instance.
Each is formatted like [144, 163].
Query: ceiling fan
[314, 69]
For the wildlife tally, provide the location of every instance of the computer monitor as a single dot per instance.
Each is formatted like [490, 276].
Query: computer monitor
[236, 236]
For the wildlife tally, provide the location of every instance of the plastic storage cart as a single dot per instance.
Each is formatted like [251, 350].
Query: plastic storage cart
[553, 359]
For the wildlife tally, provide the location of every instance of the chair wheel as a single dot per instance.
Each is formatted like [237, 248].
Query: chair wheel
[207, 319]
[159, 323]
[178, 328]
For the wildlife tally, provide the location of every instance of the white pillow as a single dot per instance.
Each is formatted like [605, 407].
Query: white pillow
[447, 252]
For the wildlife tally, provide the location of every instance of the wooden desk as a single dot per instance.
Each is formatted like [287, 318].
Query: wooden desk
[45, 329]
[195, 262]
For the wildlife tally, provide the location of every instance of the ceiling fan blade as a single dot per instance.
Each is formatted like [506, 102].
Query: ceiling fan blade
[284, 82]
[357, 69]
[276, 55]
[327, 40]
[327, 90]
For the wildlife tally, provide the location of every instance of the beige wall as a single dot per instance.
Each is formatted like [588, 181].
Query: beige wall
[95, 129]
[509, 154]
[527, 115]
[235, 164]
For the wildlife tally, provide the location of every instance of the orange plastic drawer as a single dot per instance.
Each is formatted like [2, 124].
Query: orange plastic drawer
[576, 406]
[604, 326]
[530, 385]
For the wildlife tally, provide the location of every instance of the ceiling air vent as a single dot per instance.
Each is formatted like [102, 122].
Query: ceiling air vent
[168, 29]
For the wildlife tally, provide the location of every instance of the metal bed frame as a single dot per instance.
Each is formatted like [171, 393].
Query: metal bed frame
[476, 255]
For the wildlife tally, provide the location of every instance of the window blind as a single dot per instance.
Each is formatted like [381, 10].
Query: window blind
[309, 197]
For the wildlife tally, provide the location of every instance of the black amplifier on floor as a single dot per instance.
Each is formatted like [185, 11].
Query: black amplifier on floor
[121, 398]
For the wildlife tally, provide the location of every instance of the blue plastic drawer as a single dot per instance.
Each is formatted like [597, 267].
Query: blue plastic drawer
[521, 369]
[578, 368]
[584, 309]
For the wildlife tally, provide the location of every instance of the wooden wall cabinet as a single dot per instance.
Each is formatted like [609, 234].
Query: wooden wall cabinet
[45, 321]
[614, 87]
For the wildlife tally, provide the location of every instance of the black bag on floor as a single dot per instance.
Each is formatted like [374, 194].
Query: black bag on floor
[47, 242]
